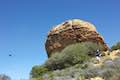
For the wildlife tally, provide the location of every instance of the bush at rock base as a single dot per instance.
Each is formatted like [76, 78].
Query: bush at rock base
[75, 54]
[72, 54]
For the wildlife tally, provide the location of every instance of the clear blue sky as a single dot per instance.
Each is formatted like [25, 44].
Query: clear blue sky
[24, 25]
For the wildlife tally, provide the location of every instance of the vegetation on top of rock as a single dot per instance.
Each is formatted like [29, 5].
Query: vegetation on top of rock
[116, 46]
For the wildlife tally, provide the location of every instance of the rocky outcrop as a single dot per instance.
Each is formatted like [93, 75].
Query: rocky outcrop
[69, 32]
[4, 77]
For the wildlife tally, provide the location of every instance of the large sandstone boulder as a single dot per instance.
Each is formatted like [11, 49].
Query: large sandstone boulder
[69, 32]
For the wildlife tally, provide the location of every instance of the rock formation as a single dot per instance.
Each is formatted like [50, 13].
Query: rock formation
[69, 32]
[4, 77]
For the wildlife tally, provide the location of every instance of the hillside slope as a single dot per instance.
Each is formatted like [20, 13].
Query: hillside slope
[107, 69]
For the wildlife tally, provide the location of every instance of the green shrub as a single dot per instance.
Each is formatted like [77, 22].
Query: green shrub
[116, 46]
[71, 55]
[38, 71]
[39, 78]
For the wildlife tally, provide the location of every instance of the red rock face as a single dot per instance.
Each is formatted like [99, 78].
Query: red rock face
[70, 32]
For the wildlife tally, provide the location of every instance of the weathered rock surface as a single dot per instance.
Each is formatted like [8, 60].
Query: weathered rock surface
[69, 32]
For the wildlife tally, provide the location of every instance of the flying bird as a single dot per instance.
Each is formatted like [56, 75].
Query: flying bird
[10, 55]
